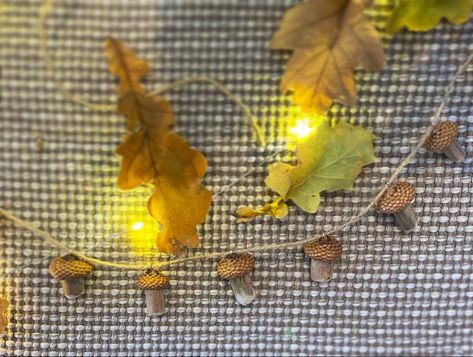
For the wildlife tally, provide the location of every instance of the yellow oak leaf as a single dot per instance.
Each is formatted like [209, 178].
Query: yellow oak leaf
[276, 209]
[329, 159]
[179, 202]
[152, 153]
[424, 15]
[329, 39]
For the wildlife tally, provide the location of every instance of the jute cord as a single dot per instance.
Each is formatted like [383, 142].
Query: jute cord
[46, 8]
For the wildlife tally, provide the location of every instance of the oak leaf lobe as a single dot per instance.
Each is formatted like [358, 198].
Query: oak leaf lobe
[424, 15]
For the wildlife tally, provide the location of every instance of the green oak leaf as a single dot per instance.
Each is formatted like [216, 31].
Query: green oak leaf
[423, 15]
[329, 159]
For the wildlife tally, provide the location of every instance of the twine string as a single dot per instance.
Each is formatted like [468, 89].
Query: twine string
[265, 247]
[46, 9]
[250, 117]
[21, 223]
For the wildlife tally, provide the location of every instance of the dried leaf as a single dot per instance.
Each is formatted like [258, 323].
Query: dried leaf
[3, 311]
[329, 159]
[276, 209]
[328, 39]
[151, 153]
[123, 63]
[179, 202]
[154, 113]
[423, 15]
[139, 148]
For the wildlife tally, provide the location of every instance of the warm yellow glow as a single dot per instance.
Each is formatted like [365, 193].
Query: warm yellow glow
[141, 233]
[137, 226]
[301, 129]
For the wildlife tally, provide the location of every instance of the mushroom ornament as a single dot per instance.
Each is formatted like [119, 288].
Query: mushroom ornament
[323, 252]
[70, 271]
[396, 200]
[153, 283]
[235, 267]
[443, 139]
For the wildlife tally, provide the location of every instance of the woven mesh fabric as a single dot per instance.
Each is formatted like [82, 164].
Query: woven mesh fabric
[392, 293]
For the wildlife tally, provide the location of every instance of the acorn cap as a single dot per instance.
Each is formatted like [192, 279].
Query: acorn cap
[398, 195]
[442, 136]
[69, 267]
[152, 280]
[326, 249]
[235, 265]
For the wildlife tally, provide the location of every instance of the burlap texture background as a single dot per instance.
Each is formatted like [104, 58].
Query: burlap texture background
[392, 293]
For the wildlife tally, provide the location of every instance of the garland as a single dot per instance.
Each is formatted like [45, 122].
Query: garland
[236, 264]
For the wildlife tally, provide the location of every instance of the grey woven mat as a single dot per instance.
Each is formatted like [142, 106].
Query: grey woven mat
[392, 293]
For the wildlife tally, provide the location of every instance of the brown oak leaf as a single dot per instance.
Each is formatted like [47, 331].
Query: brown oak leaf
[152, 153]
[329, 39]
[123, 63]
[140, 147]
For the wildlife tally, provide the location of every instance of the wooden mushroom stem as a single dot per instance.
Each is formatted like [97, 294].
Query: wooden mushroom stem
[155, 302]
[320, 271]
[73, 287]
[455, 153]
[406, 219]
[243, 290]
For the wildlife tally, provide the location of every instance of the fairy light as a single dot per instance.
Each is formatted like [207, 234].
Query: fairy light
[137, 226]
[141, 232]
[301, 129]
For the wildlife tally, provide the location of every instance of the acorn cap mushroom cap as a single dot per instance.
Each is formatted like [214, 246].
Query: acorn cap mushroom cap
[152, 280]
[69, 267]
[442, 136]
[397, 196]
[326, 249]
[235, 265]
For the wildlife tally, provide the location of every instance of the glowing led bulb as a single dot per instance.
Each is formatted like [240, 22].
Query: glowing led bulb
[137, 226]
[301, 129]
